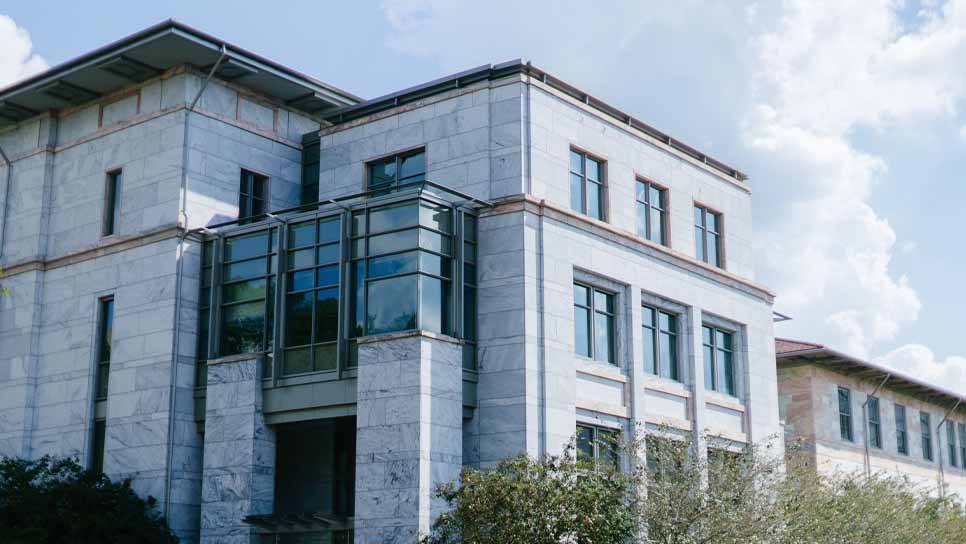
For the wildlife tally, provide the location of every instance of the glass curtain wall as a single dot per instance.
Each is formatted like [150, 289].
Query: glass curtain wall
[404, 262]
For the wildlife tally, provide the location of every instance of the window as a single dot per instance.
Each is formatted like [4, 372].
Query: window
[951, 443]
[469, 291]
[707, 236]
[660, 333]
[204, 314]
[105, 325]
[599, 446]
[719, 367]
[902, 436]
[962, 443]
[875, 423]
[386, 174]
[310, 173]
[112, 203]
[594, 323]
[312, 296]
[924, 428]
[248, 292]
[252, 195]
[586, 185]
[97, 445]
[652, 212]
[845, 414]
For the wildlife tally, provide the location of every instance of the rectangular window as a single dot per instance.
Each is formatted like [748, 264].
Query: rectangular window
[845, 414]
[112, 203]
[875, 423]
[586, 185]
[105, 325]
[252, 195]
[599, 446]
[310, 173]
[97, 446]
[962, 443]
[951, 439]
[248, 293]
[385, 175]
[652, 212]
[902, 435]
[469, 291]
[707, 236]
[594, 323]
[204, 314]
[719, 366]
[312, 296]
[660, 333]
[924, 428]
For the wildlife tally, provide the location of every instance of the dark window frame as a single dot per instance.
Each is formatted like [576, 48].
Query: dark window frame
[604, 441]
[98, 440]
[397, 157]
[103, 341]
[874, 423]
[591, 324]
[846, 429]
[584, 208]
[645, 230]
[925, 430]
[250, 206]
[951, 445]
[111, 220]
[961, 427]
[719, 383]
[666, 369]
[902, 432]
[702, 234]
[268, 273]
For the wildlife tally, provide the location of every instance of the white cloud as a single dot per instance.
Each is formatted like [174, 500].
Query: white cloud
[17, 59]
[920, 362]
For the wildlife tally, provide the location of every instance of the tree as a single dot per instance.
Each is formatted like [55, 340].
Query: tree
[58, 501]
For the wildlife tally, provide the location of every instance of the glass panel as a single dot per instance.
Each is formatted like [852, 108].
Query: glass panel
[469, 356]
[393, 217]
[301, 258]
[711, 221]
[358, 223]
[595, 207]
[326, 315]
[389, 243]
[641, 191]
[302, 234]
[582, 331]
[329, 230]
[392, 305]
[469, 252]
[575, 162]
[433, 241]
[328, 275]
[608, 456]
[585, 443]
[603, 302]
[326, 357]
[469, 313]
[440, 266]
[727, 371]
[576, 193]
[698, 216]
[657, 226]
[647, 316]
[699, 244]
[383, 172]
[668, 356]
[708, 368]
[328, 254]
[297, 361]
[469, 227]
[392, 264]
[434, 304]
[593, 169]
[656, 197]
[245, 290]
[298, 324]
[245, 270]
[435, 217]
[642, 219]
[298, 281]
[581, 295]
[103, 378]
[650, 359]
[603, 341]
[243, 325]
[243, 247]
[358, 302]
[713, 252]
[412, 165]
[107, 328]
[358, 247]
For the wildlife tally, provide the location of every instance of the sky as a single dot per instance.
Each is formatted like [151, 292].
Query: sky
[848, 118]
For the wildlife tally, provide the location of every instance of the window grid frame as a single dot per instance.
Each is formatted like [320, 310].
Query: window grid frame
[111, 221]
[247, 198]
[591, 328]
[902, 432]
[925, 430]
[951, 445]
[584, 155]
[874, 423]
[105, 333]
[598, 444]
[846, 428]
[270, 274]
[961, 427]
[649, 208]
[705, 232]
[397, 157]
[657, 333]
[716, 383]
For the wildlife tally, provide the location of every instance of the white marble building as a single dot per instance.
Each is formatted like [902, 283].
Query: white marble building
[485, 265]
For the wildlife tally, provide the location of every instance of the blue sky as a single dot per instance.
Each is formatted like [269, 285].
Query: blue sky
[847, 117]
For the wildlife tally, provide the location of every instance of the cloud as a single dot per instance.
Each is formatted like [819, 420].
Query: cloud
[920, 362]
[17, 59]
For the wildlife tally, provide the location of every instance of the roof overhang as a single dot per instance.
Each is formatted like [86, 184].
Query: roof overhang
[150, 52]
[868, 371]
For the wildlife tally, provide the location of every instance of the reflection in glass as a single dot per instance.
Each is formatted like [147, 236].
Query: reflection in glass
[391, 305]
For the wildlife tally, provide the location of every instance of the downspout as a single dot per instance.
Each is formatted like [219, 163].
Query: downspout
[6, 201]
[939, 436]
[865, 419]
[175, 342]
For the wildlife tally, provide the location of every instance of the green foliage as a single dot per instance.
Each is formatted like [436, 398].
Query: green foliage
[523, 501]
[4, 290]
[58, 501]
[749, 497]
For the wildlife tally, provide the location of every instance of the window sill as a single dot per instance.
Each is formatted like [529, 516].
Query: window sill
[596, 368]
[724, 401]
[666, 385]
